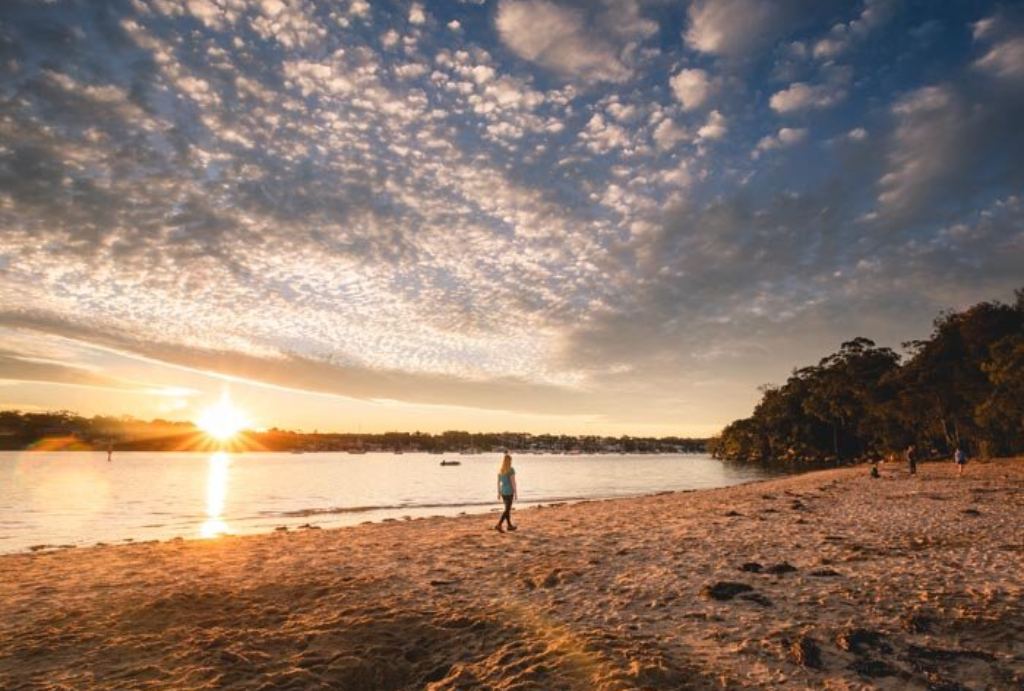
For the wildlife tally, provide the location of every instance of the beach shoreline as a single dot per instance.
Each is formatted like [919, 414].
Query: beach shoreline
[50, 501]
[829, 579]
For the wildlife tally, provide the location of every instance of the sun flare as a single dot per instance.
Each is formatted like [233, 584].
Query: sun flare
[223, 420]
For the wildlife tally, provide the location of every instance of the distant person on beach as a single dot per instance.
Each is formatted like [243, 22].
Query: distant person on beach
[912, 459]
[960, 458]
[110, 451]
[507, 491]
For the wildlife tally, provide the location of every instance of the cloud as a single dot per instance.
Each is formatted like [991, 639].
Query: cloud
[317, 77]
[1004, 60]
[417, 15]
[602, 136]
[577, 43]
[667, 134]
[293, 372]
[291, 23]
[335, 223]
[725, 27]
[714, 128]
[691, 87]
[927, 144]
[411, 70]
[623, 113]
[842, 36]
[954, 143]
[739, 28]
[801, 96]
[714, 273]
[787, 136]
[360, 8]
[1003, 32]
[19, 367]
[857, 134]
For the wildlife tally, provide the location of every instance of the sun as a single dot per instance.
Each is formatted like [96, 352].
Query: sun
[223, 420]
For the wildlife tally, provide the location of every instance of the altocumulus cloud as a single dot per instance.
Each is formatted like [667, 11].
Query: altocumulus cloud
[616, 208]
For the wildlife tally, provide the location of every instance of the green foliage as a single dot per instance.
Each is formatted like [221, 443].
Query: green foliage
[963, 386]
[1001, 415]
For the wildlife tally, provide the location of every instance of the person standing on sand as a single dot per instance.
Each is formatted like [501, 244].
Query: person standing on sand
[110, 451]
[507, 491]
[960, 458]
[912, 459]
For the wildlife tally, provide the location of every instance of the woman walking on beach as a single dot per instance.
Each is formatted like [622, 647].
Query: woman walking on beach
[507, 492]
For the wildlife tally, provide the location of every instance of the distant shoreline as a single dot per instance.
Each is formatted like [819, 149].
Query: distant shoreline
[389, 453]
[64, 430]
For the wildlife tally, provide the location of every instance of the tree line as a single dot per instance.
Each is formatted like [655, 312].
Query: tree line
[963, 386]
[65, 430]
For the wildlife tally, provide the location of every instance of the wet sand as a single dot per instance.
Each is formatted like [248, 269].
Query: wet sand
[830, 580]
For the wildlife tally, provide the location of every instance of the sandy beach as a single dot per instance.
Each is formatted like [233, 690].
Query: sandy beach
[829, 580]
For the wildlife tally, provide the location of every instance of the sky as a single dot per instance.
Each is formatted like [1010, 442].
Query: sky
[592, 217]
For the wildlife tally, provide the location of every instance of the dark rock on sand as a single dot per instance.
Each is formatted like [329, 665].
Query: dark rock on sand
[920, 652]
[825, 573]
[873, 669]
[972, 512]
[437, 674]
[917, 623]
[725, 590]
[780, 568]
[758, 598]
[751, 567]
[806, 652]
[553, 578]
[859, 641]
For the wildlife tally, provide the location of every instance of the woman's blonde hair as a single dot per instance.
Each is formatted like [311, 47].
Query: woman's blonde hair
[506, 465]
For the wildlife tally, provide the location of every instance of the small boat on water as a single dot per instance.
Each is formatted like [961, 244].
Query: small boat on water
[451, 462]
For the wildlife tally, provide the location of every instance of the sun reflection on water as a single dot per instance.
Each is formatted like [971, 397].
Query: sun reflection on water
[216, 493]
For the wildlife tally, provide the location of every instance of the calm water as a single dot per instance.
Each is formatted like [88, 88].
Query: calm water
[80, 499]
